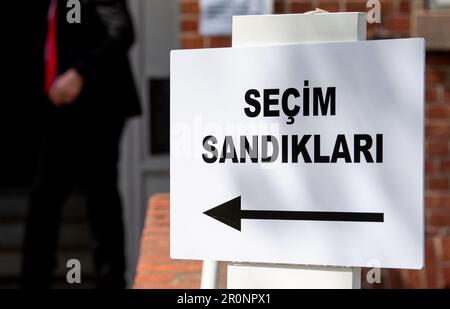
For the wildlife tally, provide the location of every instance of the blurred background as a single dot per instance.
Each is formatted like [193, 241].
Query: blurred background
[162, 25]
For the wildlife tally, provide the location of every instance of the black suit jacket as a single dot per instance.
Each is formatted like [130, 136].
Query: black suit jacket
[97, 48]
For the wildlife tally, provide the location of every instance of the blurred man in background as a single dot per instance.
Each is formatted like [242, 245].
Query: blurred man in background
[87, 92]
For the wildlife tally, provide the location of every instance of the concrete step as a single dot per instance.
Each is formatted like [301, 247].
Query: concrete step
[73, 236]
[14, 207]
[74, 241]
[10, 263]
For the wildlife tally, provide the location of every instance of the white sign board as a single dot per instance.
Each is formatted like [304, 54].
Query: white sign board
[299, 154]
[216, 15]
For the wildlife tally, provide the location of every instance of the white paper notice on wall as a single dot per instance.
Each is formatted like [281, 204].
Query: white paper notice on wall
[216, 15]
[299, 154]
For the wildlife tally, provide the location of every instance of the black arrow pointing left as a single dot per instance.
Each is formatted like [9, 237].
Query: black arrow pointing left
[231, 214]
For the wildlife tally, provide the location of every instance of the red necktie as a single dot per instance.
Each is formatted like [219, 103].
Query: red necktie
[51, 49]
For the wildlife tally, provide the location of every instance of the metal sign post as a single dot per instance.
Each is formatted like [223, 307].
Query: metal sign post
[291, 29]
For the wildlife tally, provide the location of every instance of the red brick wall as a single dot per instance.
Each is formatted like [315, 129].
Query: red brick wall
[395, 23]
[155, 269]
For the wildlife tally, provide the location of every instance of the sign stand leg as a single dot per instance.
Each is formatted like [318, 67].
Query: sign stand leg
[274, 276]
[209, 277]
[289, 29]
